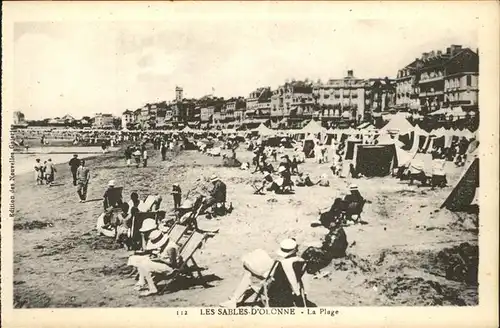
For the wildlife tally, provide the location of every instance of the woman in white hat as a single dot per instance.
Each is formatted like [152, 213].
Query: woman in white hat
[161, 256]
[257, 265]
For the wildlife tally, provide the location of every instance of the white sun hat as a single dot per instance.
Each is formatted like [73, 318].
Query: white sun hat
[148, 225]
[287, 247]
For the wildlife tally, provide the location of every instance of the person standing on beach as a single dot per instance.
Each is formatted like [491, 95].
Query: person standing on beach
[177, 194]
[38, 172]
[83, 177]
[137, 156]
[163, 149]
[74, 163]
[50, 171]
[144, 157]
[128, 155]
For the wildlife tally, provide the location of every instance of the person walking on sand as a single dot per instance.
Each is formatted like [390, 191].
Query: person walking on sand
[38, 172]
[137, 156]
[144, 157]
[74, 163]
[82, 177]
[50, 171]
[128, 155]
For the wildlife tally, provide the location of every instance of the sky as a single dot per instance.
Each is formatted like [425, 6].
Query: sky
[84, 68]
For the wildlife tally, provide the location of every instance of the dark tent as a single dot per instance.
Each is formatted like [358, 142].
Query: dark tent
[375, 161]
[350, 147]
[464, 191]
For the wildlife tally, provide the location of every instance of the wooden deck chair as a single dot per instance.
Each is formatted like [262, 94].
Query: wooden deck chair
[148, 203]
[114, 197]
[276, 290]
[136, 225]
[188, 265]
[354, 211]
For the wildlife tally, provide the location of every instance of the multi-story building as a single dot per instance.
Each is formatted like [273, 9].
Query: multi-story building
[239, 111]
[103, 121]
[440, 79]
[18, 117]
[291, 94]
[344, 98]
[128, 118]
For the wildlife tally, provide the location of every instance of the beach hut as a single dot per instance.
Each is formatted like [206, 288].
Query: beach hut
[375, 160]
[464, 191]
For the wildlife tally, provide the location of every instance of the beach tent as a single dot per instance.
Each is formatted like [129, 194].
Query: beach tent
[187, 129]
[351, 147]
[398, 124]
[313, 127]
[464, 191]
[441, 111]
[419, 131]
[375, 160]
[263, 130]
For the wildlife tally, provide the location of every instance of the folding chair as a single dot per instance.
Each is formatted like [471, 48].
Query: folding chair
[148, 203]
[355, 209]
[276, 290]
[114, 197]
[136, 225]
[188, 264]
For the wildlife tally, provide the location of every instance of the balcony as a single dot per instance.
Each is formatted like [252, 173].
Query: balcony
[432, 79]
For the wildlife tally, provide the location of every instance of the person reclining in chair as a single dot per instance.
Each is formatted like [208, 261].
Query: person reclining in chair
[257, 266]
[342, 205]
[217, 194]
[160, 256]
[112, 197]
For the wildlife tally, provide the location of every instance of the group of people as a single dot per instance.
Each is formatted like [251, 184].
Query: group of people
[45, 172]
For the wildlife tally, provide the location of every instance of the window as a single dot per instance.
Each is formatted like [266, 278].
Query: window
[469, 80]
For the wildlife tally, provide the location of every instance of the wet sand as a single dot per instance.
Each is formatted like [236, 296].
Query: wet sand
[395, 259]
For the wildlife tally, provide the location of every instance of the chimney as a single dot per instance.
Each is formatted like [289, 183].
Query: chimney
[350, 73]
[448, 50]
[454, 48]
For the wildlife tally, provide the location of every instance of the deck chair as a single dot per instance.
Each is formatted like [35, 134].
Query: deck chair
[188, 265]
[136, 239]
[353, 212]
[276, 290]
[114, 197]
[148, 203]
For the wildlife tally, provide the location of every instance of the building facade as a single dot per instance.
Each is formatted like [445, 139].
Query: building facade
[439, 80]
[103, 121]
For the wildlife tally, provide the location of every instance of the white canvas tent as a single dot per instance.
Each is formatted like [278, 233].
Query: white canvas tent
[398, 124]
[313, 127]
[264, 130]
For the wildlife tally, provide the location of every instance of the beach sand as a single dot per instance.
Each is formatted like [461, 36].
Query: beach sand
[395, 259]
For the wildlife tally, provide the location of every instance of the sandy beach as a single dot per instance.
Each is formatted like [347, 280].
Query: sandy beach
[394, 259]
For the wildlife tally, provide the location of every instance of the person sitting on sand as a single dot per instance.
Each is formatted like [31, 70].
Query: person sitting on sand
[106, 224]
[257, 266]
[323, 181]
[160, 256]
[333, 245]
[303, 180]
[267, 180]
[134, 201]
